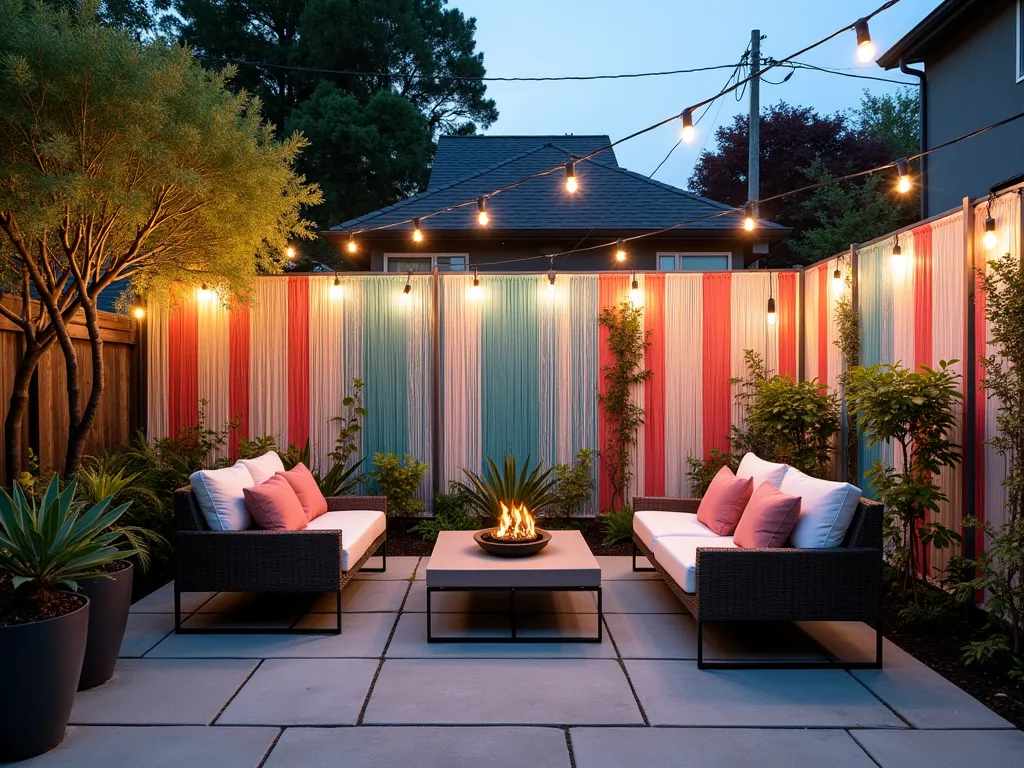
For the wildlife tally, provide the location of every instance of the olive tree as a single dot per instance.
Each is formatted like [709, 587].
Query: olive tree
[125, 161]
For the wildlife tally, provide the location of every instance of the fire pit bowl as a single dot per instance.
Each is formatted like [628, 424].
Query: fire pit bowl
[511, 547]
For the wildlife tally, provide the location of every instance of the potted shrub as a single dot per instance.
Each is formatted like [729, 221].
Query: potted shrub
[46, 547]
[110, 595]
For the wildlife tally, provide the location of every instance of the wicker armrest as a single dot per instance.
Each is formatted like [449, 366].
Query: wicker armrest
[378, 503]
[665, 504]
[285, 561]
[789, 584]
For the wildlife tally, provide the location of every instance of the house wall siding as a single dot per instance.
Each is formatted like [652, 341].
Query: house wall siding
[643, 255]
[972, 82]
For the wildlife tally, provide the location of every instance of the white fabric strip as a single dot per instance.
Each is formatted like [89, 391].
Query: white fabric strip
[214, 358]
[460, 328]
[749, 328]
[268, 360]
[156, 370]
[684, 378]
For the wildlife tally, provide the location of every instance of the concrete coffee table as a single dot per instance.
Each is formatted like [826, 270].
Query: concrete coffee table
[458, 564]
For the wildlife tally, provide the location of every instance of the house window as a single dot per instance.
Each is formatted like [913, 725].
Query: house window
[446, 262]
[1020, 41]
[693, 262]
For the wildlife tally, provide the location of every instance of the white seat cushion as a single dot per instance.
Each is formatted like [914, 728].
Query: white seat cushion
[359, 529]
[650, 525]
[264, 467]
[826, 509]
[219, 492]
[761, 471]
[678, 556]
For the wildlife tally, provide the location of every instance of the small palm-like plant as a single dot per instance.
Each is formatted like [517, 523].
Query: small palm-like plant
[101, 479]
[531, 488]
[55, 542]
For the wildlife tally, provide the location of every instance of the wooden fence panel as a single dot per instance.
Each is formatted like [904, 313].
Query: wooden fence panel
[46, 424]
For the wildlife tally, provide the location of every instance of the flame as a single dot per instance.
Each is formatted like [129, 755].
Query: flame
[515, 523]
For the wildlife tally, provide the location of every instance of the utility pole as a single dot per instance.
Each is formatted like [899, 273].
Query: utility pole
[754, 157]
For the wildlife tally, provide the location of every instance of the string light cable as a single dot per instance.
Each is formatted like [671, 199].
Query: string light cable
[740, 83]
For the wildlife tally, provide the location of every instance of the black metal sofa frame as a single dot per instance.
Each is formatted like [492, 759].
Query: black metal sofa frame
[264, 561]
[751, 585]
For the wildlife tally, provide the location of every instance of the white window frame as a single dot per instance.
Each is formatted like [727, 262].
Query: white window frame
[702, 254]
[1019, 63]
[432, 256]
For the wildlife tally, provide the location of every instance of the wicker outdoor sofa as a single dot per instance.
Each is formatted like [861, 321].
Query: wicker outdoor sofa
[256, 560]
[841, 583]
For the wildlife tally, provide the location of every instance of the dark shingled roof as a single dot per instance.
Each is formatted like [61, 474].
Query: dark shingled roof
[459, 157]
[610, 197]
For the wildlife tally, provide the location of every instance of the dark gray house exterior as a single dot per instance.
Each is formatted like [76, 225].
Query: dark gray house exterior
[539, 218]
[973, 57]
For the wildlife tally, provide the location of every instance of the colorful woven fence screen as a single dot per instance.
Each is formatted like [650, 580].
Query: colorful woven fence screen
[520, 365]
[282, 365]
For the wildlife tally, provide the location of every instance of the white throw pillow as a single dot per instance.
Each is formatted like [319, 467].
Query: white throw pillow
[761, 471]
[220, 496]
[826, 509]
[263, 467]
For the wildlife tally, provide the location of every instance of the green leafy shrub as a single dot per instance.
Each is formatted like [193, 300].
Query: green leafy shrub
[573, 492]
[618, 525]
[628, 342]
[702, 471]
[452, 512]
[531, 488]
[913, 410]
[56, 542]
[398, 479]
[790, 422]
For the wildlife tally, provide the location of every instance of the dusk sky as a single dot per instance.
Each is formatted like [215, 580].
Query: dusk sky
[585, 37]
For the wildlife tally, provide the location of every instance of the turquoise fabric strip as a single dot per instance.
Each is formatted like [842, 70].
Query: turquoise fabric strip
[385, 363]
[510, 394]
[870, 291]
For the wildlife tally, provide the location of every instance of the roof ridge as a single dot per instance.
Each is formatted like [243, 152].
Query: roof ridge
[433, 190]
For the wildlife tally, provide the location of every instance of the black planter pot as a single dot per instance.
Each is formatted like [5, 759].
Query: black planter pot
[40, 664]
[110, 596]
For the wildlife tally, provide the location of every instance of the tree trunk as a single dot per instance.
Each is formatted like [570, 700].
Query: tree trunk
[15, 419]
[78, 429]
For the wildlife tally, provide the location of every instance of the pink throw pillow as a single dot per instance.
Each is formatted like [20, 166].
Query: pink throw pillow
[274, 506]
[769, 519]
[724, 501]
[304, 484]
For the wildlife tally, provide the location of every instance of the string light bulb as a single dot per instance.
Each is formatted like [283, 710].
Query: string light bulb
[837, 281]
[990, 240]
[551, 280]
[336, 288]
[620, 251]
[289, 252]
[570, 178]
[204, 292]
[749, 217]
[474, 291]
[898, 261]
[417, 232]
[865, 48]
[771, 310]
[903, 182]
[634, 290]
[689, 132]
[138, 311]
[351, 243]
[482, 218]
[407, 291]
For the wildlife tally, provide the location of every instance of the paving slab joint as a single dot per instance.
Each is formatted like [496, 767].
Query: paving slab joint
[387, 644]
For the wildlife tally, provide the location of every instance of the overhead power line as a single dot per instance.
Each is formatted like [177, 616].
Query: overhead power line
[458, 78]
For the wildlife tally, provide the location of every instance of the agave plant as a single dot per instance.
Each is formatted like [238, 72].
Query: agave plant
[486, 492]
[55, 542]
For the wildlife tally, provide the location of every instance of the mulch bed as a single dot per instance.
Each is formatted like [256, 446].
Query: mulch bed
[939, 647]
